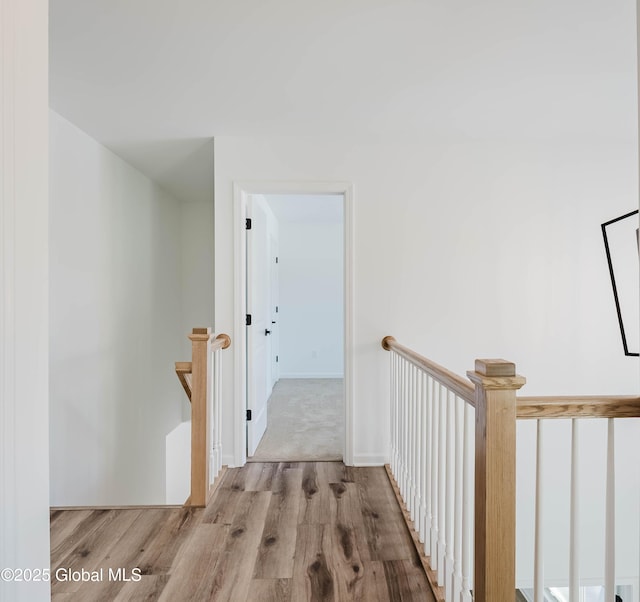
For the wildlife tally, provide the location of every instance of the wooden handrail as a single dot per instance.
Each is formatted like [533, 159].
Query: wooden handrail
[591, 406]
[452, 381]
[183, 370]
[222, 341]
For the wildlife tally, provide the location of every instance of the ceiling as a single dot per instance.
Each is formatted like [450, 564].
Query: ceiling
[155, 80]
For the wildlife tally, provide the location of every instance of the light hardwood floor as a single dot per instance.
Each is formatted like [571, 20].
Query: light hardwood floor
[282, 532]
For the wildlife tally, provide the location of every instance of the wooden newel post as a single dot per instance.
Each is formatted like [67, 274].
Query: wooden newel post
[199, 454]
[496, 384]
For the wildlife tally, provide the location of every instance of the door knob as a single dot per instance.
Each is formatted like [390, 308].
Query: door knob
[266, 332]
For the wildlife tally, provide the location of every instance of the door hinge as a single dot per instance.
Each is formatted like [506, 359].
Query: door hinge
[248, 321]
[276, 309]
[276, 260]
[248, 223]
[276, 359]
[248, 414]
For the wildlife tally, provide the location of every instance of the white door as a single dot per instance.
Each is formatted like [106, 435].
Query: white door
[258, 356]
[275, 332]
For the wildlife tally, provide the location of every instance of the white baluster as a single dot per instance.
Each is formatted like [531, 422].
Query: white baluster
[401, 435]
[538, 568]
[219, 413]
[418, 454]
[435, 420]
[416, 448]
[410, 432]
[414, 451]
[405, 429]
[214, 455]
[392, 413]
[424, 462]
[442, 485]
[407, 434]
[458, 495]
[574, 524]
[407, 439]
[449, 495]
[468, 487]
[396, 417]
[610, 523]
[428, 397]
[213, 418]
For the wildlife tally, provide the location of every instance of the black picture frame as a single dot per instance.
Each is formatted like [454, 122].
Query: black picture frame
[622, 305]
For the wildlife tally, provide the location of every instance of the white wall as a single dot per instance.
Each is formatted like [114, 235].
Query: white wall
[196, 265]
[115, 325]
[24, 411]
[178, 467]
[310, 315]
[463, 250]
[196, 277]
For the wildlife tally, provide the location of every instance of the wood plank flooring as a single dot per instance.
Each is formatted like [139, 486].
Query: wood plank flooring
[281, 532]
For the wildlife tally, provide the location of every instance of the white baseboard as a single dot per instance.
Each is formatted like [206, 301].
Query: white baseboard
[310, 375]
[370, 460]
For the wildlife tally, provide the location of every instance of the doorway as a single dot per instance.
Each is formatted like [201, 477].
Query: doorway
[293, 284]
[303, 331]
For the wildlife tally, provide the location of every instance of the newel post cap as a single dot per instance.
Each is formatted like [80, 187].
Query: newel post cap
[200, 334]
[496, 374]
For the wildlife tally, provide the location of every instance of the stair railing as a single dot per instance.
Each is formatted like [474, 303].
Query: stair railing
[575, 408]
[201, 380]
[453, 449]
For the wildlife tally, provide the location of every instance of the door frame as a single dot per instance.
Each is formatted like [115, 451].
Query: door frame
[241, 192]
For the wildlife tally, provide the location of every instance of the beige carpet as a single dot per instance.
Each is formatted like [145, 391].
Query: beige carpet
[305, 422]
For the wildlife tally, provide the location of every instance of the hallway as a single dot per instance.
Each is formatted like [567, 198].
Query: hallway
[305, 421]
[293, 532]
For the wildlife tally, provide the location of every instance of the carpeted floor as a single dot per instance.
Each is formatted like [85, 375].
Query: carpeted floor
[305, 422]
